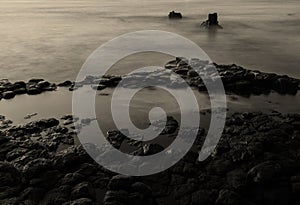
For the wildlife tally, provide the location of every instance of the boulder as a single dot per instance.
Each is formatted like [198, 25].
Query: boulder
[120, 182]
[66, 83]
[175, 15]
[83, 190]
[33, 91]
[8, 95]
[35, 80]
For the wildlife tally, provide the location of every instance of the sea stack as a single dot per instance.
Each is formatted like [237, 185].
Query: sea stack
[175, 15]
[212, 21]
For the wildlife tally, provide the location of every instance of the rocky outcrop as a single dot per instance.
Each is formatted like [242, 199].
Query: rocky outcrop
[8, 90]
[212, 21]
[236, 79]
[175, 15]
[256, 162]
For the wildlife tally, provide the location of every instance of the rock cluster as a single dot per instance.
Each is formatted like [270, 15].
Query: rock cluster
[8, 90]
[236, 79]
[256, 162]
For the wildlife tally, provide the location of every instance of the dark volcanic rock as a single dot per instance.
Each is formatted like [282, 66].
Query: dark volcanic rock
[83, 190]
[33, 91]
[235, 78]
[256, 162]
[8, 94]
[120, 182]
[66, 83]
[175, 15]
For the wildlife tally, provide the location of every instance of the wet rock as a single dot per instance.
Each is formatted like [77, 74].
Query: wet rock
[37, 166]
[28, 116]
[81, 201]
[83, 190]
[8, 95]
[212, 21]
[33, 91]
[264, 172]
[235, 78]
[58, 195]
[237, 179]
[20, 91]
[99, 87]
[46, 179]
[43, 84]
[72, 179]
[19, 84]
[203, 197]
[9, 175]
[35, 80]
[187, 188]
[120, 182]
[219, 166]
[115, 197]
[33, 193]
[175, 15]
[259, 167]
[66, 83]
[227, 197]
[8, 192]
[141, 188]
[150, 149]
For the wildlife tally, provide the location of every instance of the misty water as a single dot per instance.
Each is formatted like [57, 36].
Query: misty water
[51, 39]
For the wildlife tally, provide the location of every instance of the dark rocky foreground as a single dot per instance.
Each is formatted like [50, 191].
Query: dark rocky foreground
[236, 79]
[256, 162]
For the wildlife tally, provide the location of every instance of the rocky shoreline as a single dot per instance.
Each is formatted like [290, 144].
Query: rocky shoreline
[236, 80]
[256, 162]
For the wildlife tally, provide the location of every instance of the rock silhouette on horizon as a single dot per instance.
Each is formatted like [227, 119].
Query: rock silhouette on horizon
[175, 15]
[212, 21]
